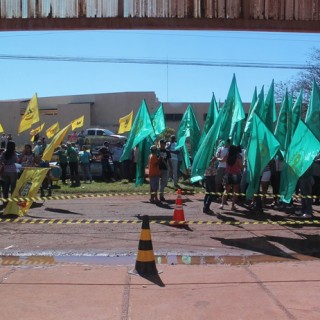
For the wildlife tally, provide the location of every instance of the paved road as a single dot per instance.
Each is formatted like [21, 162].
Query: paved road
[211, 235]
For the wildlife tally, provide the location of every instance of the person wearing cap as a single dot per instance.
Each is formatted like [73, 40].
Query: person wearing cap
[154, 174]
[174, 159]
[164, 156]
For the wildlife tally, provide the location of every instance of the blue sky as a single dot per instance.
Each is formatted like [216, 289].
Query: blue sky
[175, 83]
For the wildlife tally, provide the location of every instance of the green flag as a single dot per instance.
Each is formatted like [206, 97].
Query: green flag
[189, 128]
[210, 119]
[268, 113]
[159, 125]
[256, 104]
[296, 113]
[303, 148]
[232, 111]
[143, 157]
[206, 151]
[238, 132]
[253, 100]
[158, 122]
[141, 128]
[262, 147]
[282, 124]
[313, 113]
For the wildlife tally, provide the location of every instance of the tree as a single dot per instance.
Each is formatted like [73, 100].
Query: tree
[303, 80]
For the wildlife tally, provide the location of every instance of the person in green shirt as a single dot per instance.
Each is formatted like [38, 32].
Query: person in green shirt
[73, 165]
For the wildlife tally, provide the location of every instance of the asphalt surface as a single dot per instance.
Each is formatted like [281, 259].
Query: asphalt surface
[111, 226]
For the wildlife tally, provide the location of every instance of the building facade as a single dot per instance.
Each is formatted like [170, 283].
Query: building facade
[99, 110]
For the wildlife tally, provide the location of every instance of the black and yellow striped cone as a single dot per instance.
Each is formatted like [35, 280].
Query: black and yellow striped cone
[145, 263]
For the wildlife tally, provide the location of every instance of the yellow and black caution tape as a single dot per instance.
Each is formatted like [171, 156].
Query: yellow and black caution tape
[120, 194]
[26, 261]
[164, 222]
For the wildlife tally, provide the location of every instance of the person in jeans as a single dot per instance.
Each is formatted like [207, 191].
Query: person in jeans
[85, 158]
[9, 176]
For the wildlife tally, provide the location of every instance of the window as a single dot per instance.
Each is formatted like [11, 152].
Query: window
[175, 117]
[42, 112]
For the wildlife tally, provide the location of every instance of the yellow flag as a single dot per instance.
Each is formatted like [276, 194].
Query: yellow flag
[125, 123]
[78, 123]
[55, 128]
[37, 130]
[30, 116]
[1, 128]
[27, 187]
[55, 142]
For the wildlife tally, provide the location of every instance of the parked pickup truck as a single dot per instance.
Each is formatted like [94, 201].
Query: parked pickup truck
[95, 137]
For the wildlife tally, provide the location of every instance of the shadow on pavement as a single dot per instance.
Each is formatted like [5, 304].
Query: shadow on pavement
[256, 244]
[154, 279]
[309, 245]
[166, 219]
[63, 211]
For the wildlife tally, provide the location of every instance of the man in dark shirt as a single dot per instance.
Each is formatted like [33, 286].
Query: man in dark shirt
[105, 156]
[164, 155]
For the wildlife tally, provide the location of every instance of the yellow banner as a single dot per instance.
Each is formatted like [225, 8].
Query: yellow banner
[37, 130]
[30, 116]
[55, 143]
[125, 123]
[27, 186]
[1, 128]
[78, 123]
[55, 128]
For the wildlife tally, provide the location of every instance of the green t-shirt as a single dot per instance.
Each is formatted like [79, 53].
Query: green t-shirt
[73, 154]
[63, 156]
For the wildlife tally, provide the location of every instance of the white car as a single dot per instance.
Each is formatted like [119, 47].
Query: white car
[95, 137]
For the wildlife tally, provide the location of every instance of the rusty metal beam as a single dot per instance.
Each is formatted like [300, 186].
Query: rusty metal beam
[158, 24]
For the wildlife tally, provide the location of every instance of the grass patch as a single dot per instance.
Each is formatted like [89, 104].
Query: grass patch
[123, 186]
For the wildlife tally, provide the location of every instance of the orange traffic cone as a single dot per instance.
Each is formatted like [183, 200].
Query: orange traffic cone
[145, 263]
[178, 214]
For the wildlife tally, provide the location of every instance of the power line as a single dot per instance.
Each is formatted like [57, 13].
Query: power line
[199, 63]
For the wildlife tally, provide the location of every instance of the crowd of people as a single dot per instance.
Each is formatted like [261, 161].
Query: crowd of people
[73, 157]
[227, 173]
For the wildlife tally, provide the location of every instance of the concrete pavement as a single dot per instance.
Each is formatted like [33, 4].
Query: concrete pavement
[253, 272]
[81, 291]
